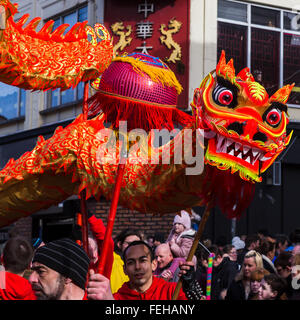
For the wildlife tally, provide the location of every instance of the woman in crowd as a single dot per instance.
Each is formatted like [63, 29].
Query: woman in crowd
[240, 287]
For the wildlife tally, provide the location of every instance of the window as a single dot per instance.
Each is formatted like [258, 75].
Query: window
[232, 10]
[265, 39]
[12, 102]
[58, 97]
[265, 17]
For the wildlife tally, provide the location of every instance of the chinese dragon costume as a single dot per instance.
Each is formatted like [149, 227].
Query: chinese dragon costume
[243, 130]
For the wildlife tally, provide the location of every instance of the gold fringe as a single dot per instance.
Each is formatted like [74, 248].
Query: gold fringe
[164, 76]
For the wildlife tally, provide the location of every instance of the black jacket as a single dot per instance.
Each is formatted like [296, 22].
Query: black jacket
[222, 276]
[291, 293]
[241, 255]
[268, 264]
[236, 291]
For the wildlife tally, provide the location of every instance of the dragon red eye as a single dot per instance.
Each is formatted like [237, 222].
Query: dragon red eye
[273, 117]
[222, 96]
[225, 97]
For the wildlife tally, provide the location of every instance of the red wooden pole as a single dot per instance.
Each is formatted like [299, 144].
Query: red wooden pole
[84, 221]
[85, 99]
[79, 222]
[111, 217]
[83, 192]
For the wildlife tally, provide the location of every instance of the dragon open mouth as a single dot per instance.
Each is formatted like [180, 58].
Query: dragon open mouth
[238, 153]
[235, 149]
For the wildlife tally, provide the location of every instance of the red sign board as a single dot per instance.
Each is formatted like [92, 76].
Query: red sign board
[158, 28]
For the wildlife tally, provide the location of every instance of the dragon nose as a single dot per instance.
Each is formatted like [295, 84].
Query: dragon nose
[250, 126]
[238, 127]
[260, 136]
[251, 129]
[248, 111]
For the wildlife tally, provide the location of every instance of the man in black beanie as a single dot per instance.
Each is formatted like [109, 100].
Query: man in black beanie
[60, 271]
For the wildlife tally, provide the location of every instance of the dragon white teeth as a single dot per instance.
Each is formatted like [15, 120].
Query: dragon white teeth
[224, 144]
[264, 158]
[246, 149]
[220, 140]
[228, 142]
[224, 148]
[255, 159]
[237, 146]
[248, 159]
[255, 152]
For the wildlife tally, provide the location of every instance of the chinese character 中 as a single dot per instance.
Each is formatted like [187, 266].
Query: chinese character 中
[145, 7]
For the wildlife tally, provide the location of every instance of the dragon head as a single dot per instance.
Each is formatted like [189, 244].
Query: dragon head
[244, 127]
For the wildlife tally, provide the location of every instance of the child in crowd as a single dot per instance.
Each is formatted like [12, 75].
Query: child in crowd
[272, 288]
[256, 278]
[16, 259]
[181, 236]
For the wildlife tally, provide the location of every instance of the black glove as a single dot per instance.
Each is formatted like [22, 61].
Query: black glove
[189, 276]
[190, 285]
[194, 291]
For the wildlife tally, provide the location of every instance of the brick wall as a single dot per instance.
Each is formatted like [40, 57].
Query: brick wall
[125, 218]
[149, 224]
[23, 227]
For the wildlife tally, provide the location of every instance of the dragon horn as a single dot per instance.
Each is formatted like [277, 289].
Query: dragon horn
[282, 94]
[245, 75]
[225, 70]
[221, 63]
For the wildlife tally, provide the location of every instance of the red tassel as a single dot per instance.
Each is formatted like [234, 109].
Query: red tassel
[138, 114]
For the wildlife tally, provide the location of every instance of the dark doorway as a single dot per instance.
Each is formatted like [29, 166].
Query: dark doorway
[57, 228]
[51, 227]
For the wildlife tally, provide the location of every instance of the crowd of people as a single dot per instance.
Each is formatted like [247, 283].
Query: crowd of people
[257, 266]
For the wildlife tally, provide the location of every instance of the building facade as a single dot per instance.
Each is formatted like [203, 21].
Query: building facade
[189, 36]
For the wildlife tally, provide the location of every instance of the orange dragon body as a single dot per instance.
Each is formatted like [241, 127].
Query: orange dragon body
[236, 131]
[48, 60]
